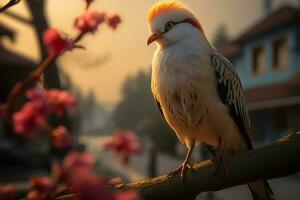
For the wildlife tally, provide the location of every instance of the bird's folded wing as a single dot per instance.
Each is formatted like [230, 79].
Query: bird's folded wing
[158, 106]
[231, 93]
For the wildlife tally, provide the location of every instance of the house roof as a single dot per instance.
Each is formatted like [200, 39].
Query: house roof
[285, 15]
[13, 68]
[8, 58]
[280, 94]
[230, 50]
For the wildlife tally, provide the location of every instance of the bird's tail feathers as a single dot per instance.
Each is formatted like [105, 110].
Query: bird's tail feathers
[261, 190]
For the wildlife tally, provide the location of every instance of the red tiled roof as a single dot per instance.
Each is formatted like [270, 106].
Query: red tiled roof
[283, 16]
[276, 91]
[229, 50]
[271, 92]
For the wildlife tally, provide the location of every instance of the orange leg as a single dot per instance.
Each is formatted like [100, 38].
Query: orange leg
[182, 169]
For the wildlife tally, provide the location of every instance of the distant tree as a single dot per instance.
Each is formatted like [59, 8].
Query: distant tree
[39, 23]
[220, 37]
[137, 111]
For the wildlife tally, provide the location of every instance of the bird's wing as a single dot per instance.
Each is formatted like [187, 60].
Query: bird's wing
[231, 93]
[158, 106]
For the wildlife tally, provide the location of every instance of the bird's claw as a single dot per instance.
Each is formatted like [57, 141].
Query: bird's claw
[182, 169]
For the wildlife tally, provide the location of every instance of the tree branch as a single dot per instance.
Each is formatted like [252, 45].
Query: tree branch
[17, 17]
[272, 161]
[9, 4]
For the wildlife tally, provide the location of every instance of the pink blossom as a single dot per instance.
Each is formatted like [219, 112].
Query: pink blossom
[39, 97]
[61, 138]
[126, 195]
[41, 188]
[125, 143]
[35, 195]
[42, 184]
[78, 160]
[89, 21]
[77, 173]
[35, 112]
[55, 42]
[7, 192]
[57, 172]
[113, 20]
[91, 187]
[32, 116]
[37, 94]
[81, 179]
[60, 101]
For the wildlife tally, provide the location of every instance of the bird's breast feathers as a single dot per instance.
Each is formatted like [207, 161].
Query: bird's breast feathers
[184, 83]
[173, 66]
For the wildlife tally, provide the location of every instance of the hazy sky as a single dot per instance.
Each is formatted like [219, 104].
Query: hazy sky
[113, 55]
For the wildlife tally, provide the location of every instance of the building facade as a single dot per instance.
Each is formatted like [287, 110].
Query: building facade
[267, 58]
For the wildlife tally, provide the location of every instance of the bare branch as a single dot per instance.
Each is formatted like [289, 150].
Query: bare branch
[9, 4]
[17, 17]
[272, 161]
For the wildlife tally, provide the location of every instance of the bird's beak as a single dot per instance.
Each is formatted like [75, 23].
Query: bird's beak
[154, 37]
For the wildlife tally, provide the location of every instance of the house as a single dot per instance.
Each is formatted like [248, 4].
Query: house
[13, 68]
[267, 58]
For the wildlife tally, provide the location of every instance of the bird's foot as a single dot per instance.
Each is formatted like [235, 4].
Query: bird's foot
[220, 161]
[182, 169]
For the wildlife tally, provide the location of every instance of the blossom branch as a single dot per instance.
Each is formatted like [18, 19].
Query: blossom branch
[17, 17]
[272, 161]
[9, 4]
[20, 87]
[86, 23]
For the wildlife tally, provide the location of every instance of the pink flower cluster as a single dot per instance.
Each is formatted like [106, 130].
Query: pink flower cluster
[41, 187]
[125, 143]
[27, 120]
[40, 105]
[77, 173]
[61, 138]
[32, 115]
[7, 192]
[113, 20]
[60, 101]
[55, 43]
[74, 177]
[90, 20]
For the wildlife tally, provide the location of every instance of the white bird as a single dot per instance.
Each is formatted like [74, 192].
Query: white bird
[197, 89]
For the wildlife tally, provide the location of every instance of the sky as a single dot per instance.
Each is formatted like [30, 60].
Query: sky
[111, 56]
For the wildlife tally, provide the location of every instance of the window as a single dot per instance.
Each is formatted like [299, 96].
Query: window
[258, 60]
[280, 54]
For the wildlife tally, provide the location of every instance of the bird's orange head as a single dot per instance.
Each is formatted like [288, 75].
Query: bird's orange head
[164, 16]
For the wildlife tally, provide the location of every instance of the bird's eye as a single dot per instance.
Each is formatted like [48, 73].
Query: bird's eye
[168, 26]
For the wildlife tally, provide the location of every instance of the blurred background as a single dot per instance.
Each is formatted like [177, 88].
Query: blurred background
[111, 81]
